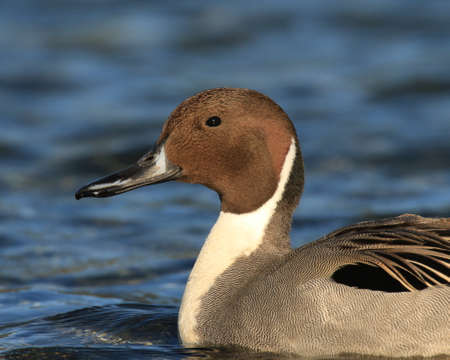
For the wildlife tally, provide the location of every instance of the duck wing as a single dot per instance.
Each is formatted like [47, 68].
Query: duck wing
[405, 253]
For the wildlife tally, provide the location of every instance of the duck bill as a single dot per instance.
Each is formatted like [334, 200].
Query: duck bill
[152, 168]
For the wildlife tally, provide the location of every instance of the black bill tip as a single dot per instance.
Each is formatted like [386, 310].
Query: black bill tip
[86, 191]
[80, 194]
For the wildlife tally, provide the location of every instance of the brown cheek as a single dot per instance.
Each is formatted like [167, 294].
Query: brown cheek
[181, 151]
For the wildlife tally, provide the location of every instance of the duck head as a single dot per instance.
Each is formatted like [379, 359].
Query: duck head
[233, 141]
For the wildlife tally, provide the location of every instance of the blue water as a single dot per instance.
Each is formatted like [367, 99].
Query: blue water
[84, 89]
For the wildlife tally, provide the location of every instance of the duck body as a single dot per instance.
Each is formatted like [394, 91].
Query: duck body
[319, 317]
[376, 288]
[315, 315]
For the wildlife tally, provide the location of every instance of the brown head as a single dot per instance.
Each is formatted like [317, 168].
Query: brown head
[233, 141]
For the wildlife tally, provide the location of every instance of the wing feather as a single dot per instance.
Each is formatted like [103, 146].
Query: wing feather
[412, 250]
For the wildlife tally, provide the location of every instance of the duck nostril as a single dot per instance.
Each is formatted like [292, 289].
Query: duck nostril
[149, 157]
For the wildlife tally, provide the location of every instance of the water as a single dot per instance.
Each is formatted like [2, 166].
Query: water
[84, 89]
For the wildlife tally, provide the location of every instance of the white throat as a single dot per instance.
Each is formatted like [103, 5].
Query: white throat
[231, 237]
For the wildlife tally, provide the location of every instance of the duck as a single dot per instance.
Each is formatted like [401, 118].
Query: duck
[376, 287]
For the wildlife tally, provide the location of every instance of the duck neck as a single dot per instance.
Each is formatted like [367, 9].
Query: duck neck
[238, 238]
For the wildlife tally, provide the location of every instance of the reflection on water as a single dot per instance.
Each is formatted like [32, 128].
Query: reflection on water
[84, 89]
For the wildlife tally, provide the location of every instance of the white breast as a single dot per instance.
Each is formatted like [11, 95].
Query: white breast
[231, 237]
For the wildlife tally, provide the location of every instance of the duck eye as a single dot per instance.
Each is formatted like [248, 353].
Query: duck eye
[213, 121]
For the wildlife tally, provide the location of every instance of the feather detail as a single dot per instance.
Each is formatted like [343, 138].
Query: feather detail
[412, 250]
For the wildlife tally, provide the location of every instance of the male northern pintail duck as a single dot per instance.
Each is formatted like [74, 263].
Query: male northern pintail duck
[376, 287]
